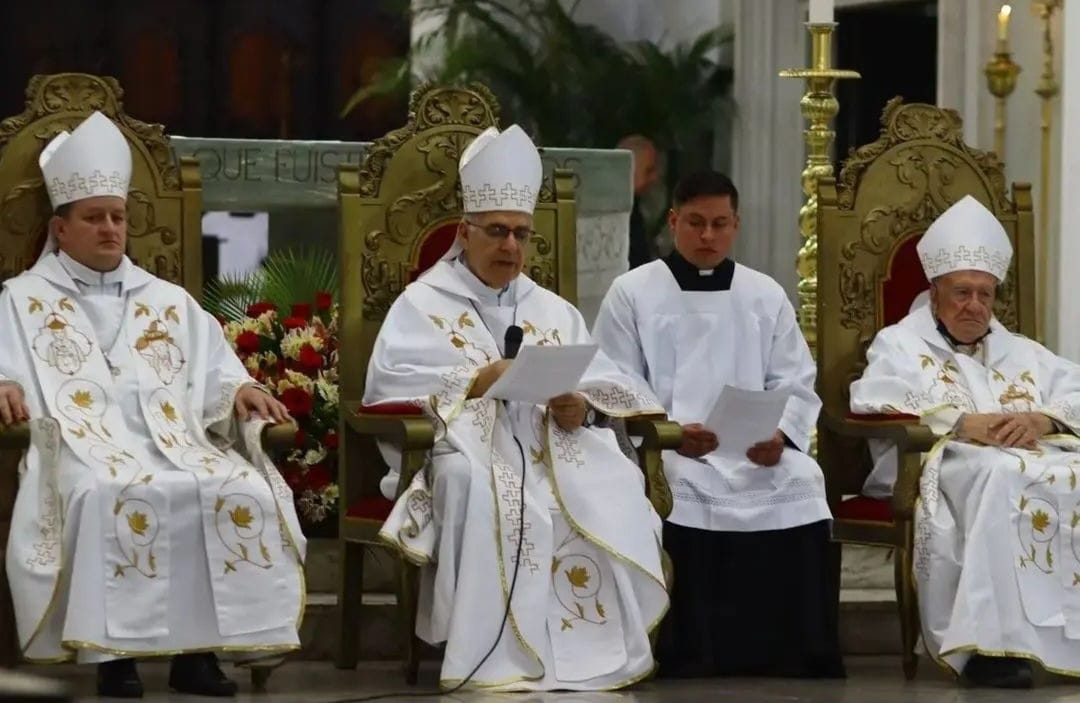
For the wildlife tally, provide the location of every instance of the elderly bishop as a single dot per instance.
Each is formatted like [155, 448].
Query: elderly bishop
[528, 511]
[998, 527]
[138, 530]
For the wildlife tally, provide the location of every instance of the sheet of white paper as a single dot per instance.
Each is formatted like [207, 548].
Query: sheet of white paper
[539, 373]
[743, 418]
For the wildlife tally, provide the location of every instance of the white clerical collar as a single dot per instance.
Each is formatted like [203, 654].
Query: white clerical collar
[486, 294]
[88, 276]
[705, 272]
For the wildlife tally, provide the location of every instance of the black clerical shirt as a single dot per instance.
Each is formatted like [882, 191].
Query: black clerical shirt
[689, 277]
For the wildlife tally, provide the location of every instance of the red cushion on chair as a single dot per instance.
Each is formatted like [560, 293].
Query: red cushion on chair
[435, 243]
[866, 509]
[903, 281]
[391, 409]
[370, 508]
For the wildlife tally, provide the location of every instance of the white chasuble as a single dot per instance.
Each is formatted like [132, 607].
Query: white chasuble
[997, 558]
[589, 586]
[687, 345]
[137, 529]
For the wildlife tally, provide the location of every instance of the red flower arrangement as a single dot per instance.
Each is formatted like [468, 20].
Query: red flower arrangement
[297, 359]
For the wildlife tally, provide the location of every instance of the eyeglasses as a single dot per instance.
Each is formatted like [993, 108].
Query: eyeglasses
[500, 231]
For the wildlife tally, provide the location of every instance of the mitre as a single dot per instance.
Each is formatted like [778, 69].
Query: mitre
[499, 171]
[94, 159]
[967, 236]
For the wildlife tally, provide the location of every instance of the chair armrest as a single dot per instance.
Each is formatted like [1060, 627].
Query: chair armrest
[911, 438]
[414, 431]
[657, 433]
[905, 430]
[655, 430]
[15, 437]
[279, 435]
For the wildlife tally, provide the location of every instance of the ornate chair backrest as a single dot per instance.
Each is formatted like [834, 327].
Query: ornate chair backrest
[164, 210]
[400, 208]
[869, 222]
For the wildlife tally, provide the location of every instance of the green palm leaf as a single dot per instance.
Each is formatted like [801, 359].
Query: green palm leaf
[229, 296]
[284, 279]
[290, 278]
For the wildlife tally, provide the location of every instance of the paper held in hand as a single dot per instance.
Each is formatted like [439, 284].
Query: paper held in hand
[743, 418]
[539, 373]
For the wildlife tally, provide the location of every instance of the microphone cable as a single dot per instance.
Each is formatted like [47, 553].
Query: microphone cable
[511, 338]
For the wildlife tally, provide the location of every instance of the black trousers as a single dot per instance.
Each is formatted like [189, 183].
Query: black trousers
[751, 604]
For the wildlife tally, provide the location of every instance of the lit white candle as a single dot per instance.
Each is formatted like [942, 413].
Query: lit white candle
[821, 11]
[1003, 23]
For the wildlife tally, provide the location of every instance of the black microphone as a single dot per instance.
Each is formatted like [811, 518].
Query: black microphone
[512, 341]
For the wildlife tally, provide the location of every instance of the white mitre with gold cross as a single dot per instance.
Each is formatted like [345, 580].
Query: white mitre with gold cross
[94, 159]
[965, 237]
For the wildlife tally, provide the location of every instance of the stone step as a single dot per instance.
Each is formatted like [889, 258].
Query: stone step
[869, 625]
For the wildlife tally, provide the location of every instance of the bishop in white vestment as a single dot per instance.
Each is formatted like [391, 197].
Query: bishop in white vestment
[507, 477]
[748, 538]
[138, 529]
[997, 544]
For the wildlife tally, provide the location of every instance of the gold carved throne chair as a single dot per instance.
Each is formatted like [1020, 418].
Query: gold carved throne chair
[164, 214]
[869, 222]
[399, 212]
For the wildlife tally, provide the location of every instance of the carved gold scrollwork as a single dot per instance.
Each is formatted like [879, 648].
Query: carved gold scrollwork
[382, 282]
[429, 107]
[417, 210]
[80, 94]
[912, 123]
[142, 221]
[542, 264]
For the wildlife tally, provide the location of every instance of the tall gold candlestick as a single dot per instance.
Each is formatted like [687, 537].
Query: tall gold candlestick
[819, 107]
[1001, 74]
[1047, 90]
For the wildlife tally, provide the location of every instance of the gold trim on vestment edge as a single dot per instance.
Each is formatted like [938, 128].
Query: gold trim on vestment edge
[447, 684]
[413, 556]
[502, 564]
[274, 649]
[597, 542]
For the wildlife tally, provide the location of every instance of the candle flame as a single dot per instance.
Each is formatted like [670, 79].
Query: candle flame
[1006, 10]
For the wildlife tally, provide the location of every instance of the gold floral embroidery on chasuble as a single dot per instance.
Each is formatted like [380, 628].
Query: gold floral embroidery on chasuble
[241, 517]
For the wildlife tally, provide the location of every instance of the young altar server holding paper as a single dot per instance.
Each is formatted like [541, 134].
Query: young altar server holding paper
[749, 535]
[589, 585]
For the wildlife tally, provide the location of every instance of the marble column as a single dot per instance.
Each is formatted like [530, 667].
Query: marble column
[1069, 207]
[768, 150]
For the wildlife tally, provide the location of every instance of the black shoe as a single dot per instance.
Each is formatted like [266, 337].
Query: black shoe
[998, 672]
[119, 679]
[200, 675]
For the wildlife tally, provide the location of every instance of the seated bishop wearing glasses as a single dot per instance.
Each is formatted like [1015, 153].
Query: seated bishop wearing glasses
[589, 586]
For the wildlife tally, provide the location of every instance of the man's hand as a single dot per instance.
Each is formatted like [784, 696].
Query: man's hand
[767, 453]
[486, 377]
[976, 427]
[568, 411]
[1021, 429]
[697, 441]
[12, 404]
[252, 401]
[1004, 429]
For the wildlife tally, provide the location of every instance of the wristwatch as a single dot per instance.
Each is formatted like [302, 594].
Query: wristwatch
[590, 417]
